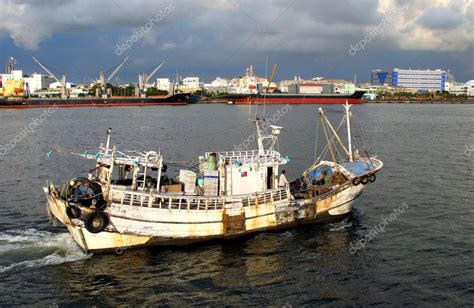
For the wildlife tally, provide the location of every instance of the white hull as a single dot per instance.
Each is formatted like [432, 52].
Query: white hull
[138, 226]
[129, 203]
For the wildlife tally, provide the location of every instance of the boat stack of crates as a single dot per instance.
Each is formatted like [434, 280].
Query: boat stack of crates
[211, 183]
[188, 178]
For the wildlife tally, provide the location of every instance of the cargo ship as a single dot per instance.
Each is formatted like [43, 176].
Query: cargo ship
[284, 98]
[176, 99]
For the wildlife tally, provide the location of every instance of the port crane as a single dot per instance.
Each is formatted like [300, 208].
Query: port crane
[10, 65]
[270, 80]
[62, 81]
[103, 81]
[144, 78]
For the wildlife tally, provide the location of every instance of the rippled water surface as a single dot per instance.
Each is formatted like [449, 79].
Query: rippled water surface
[425, 256]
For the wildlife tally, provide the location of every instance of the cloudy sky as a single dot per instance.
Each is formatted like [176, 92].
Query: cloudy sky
[208, 38]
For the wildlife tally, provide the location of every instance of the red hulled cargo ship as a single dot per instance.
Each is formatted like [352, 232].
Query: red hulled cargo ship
[283, 98]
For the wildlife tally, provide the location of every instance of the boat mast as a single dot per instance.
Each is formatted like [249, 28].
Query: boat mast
[261, 149]
[349, 138]
[107, 145]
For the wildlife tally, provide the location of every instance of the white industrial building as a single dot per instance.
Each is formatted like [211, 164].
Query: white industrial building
[420, 80]
[470, 87]
[57, 85]
[456, 88]
[460, 88]
[220, 82]
[163, 84]
[311, 88]
[17, 74]
[33, 83]
[191, 82]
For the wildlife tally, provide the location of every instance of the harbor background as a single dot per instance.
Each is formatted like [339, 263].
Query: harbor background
[423, 255]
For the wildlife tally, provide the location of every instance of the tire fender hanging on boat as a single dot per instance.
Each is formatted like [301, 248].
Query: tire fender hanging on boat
[355, 181]
[372, 178]
[96, 222]
[73, 212]
[364, 179]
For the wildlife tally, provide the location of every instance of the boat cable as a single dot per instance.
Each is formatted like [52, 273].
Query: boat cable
[206, 135]
[326, 149]
[361, 137]
[316, 142]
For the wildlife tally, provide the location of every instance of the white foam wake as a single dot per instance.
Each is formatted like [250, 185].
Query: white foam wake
[341, 225]
[32, 248]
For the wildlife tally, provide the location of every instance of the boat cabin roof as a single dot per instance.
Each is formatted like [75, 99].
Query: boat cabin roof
[133, 158]
[251, 157]
[361, 167]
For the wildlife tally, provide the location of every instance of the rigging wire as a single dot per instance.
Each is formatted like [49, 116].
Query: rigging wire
[326, 149]
[316, 141]
[206, 135]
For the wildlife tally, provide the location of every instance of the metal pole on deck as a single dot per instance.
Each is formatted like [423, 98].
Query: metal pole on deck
[109, 132]
[349, 138]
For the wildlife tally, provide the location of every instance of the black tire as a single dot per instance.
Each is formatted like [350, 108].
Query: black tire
[372, 178]
[96, 222]
[364, 179]
[73, 212]
[355, 181]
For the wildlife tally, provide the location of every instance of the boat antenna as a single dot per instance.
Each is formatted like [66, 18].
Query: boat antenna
[261, 149]
[265, 95]
[107, 145]
[349, 138]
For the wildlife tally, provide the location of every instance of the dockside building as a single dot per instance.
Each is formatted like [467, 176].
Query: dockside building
[420, 80]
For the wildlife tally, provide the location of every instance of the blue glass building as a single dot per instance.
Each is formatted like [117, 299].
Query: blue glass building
[421, 80]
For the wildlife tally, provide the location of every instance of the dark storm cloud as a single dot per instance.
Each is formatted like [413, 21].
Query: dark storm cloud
[225, 34]
[440, 18]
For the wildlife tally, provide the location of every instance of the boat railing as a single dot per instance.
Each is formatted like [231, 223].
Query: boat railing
[153, 200]
[248, 157]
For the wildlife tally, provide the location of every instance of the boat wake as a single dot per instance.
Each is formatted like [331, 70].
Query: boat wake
[31, 248]
[341, 225]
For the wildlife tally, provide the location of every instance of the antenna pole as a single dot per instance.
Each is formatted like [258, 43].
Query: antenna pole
[107, 145]
[349, 138]
[261, 149]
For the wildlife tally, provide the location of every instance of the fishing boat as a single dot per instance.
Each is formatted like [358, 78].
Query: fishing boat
[128, 201]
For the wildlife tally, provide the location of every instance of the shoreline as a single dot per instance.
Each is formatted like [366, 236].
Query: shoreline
[450, 102]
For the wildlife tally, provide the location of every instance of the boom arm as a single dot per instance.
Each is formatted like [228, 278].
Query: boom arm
[272, 76]
[116, 69]
[154, 71]
[43, 67]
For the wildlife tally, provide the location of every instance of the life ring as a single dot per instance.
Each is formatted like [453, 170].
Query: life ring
[73, 212]
[152, 157]
[96, 222]
[364, 179]
[372, 178]
[355, 181]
